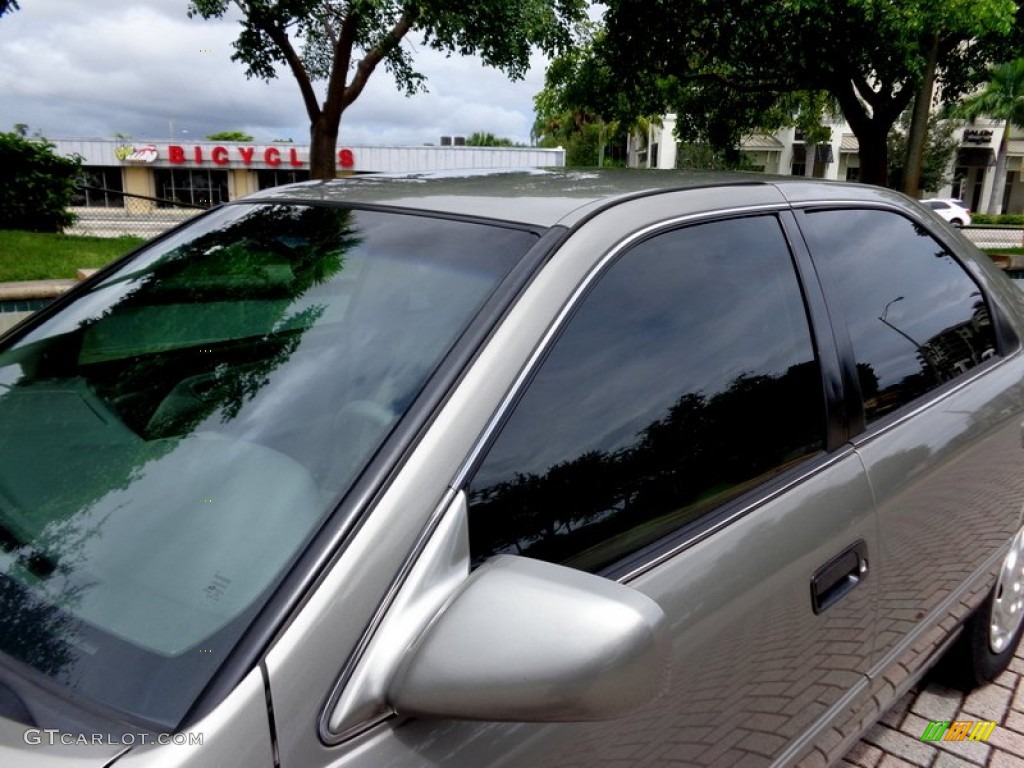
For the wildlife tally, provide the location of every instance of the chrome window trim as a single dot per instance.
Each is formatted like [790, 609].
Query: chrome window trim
[706, 531]
[540, 350]
[555, 328]
[326, 735]
[524, 376]
[872, 431]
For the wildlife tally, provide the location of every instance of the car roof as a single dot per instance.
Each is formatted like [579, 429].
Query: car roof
[560, 196]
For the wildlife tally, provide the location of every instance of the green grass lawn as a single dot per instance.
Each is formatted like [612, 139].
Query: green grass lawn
[1012, 251]
[42, 256]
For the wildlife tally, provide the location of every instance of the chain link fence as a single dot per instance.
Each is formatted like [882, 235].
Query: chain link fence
[990, 236]
[112, 213]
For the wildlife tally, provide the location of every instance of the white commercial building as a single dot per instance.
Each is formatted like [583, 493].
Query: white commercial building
[210, 172]
[786, 153]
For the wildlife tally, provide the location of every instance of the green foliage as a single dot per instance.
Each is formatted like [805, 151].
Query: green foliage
[485, 139]
[705, 157]
[1003, 219]
[230, 136]
[36, 185]
[940, 146]
[343, 41]
[729, 61]
[580, 107]
[1003, 95]
[583, 147]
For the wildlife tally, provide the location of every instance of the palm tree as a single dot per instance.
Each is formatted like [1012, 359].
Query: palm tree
[1002, 99]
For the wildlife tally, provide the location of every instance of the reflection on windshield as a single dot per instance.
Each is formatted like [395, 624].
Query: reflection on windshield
[171, 439]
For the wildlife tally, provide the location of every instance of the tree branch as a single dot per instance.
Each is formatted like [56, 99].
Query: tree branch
[280, 38]
[342, 60]
[865, 91]
[373, 57]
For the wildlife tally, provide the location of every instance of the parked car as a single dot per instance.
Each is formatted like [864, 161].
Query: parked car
[523, 469]
[952, 210]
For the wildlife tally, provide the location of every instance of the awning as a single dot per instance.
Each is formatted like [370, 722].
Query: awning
[975, 156]
[762, 141]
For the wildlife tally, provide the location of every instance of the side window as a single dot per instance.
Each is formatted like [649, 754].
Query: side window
[686, 377]
[916, 318]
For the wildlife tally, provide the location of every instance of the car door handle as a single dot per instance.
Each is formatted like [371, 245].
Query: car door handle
[838, 577]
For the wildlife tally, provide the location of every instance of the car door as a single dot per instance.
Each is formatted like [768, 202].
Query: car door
[941, 392]
[669, 422]
[675, 437]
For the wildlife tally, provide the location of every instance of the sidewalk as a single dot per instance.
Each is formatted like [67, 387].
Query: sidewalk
[895, 741]
[25, 291]
[34, 289]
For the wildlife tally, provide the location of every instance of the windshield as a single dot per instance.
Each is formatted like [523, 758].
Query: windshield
[171, 439]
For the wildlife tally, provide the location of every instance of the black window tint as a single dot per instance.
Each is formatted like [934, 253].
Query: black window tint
[916, 319]
[686, 377]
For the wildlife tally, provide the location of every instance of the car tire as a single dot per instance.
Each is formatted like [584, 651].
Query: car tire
[957, 223]
[991, 635]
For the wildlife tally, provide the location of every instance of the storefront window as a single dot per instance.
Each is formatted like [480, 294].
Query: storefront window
[191, 186]
[271, 177]
[99, 187]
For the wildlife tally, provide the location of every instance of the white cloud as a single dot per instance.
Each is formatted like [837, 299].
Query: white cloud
[70, 68]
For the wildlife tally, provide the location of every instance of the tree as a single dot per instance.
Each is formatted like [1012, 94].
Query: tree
[737, 56]
[579, 107]
[6, 6]
[36, 185]
[485, 139]
[230, 136]
[938, 148]
[344, 41]
[1002, 99]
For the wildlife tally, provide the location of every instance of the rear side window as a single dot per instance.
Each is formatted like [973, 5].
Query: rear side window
[916, 318]
[685, 378]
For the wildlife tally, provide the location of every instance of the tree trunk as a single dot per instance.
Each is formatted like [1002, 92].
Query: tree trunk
[919, 125]
[871, 127]
[322, 147]
[995, 196]
[874, 161]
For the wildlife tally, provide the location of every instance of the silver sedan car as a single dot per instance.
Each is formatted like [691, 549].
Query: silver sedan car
[511, 469]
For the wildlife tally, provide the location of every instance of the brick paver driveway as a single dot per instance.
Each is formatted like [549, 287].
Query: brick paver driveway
[896, 739]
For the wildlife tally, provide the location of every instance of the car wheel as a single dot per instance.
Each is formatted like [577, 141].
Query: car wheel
[957, 223]
[992, 633]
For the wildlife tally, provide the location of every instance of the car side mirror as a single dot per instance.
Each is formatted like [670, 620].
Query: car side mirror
[528, 641]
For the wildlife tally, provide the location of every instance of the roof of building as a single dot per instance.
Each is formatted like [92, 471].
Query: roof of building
[849, 143]
[548, 197]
